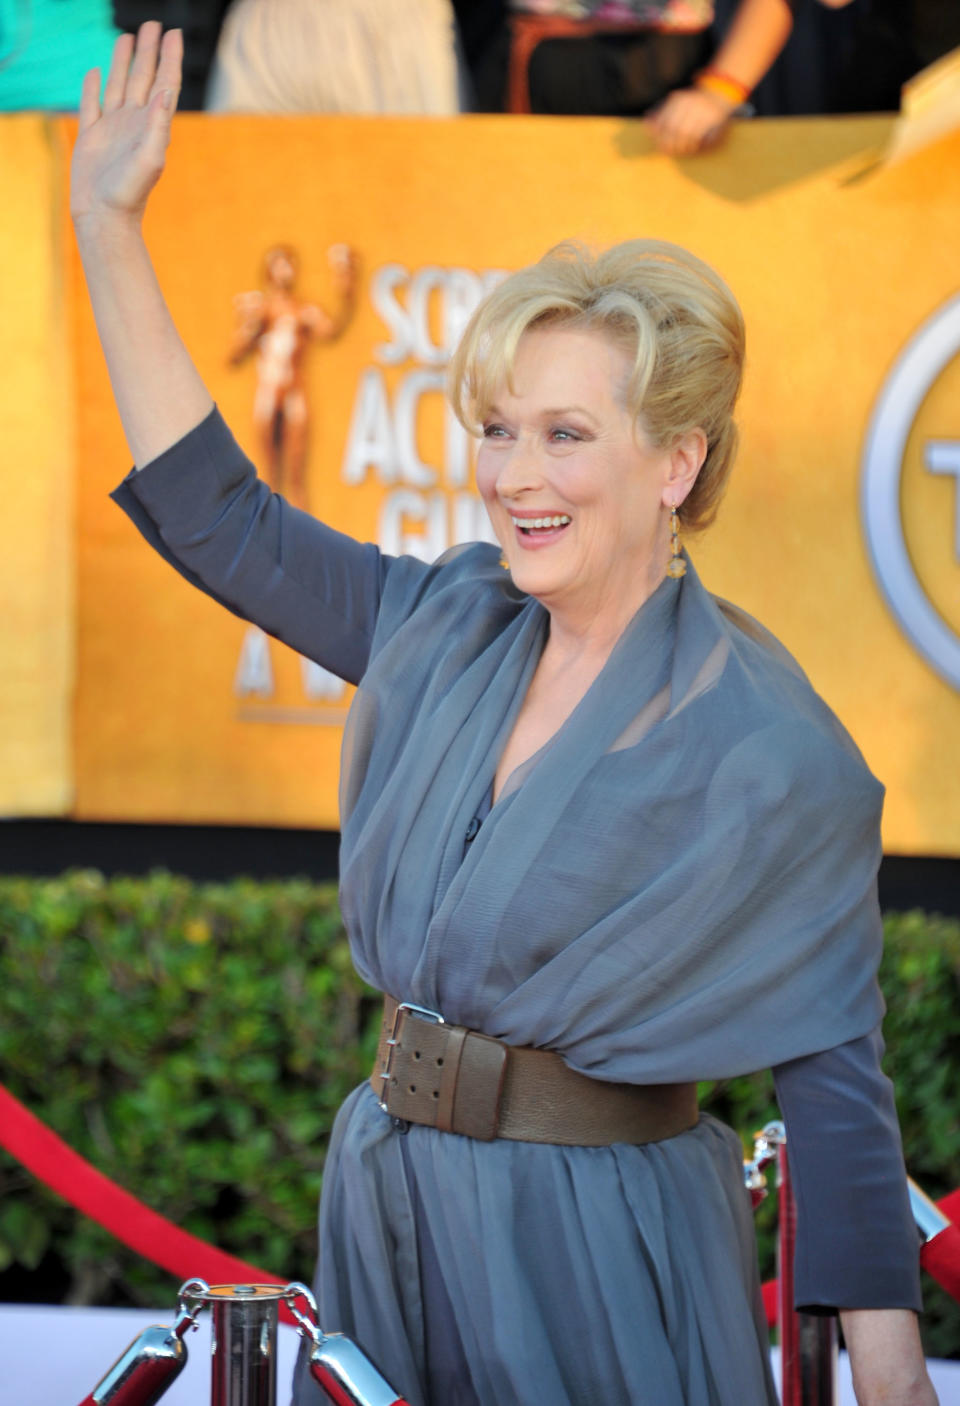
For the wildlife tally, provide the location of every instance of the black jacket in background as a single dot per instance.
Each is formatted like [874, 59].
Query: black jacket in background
[200, 21]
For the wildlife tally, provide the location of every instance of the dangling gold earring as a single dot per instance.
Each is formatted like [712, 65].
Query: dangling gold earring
[503, 561]
[677, 566]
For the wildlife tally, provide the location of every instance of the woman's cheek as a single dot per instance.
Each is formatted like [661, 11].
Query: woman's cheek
[486, 475]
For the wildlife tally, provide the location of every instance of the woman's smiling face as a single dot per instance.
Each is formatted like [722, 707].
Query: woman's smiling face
[562, 450]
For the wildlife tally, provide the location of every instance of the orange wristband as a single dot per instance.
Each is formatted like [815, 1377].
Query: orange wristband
[721, 85]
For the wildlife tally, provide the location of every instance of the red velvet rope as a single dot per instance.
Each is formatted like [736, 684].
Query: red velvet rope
[151, 1235]
[940, 1256]
[184, 1256]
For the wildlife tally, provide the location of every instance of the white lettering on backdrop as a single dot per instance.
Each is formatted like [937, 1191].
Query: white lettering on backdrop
[427, 507]
[424, 313]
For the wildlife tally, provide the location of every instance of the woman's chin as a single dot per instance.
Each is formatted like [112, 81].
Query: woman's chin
[536, 578]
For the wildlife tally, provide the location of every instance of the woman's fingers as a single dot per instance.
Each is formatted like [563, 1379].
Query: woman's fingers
[122, 152]
[113, 93]
[163, 97]
[90, 99]
[170, 67]
[126, 84]
[143, 72]
[157, 138]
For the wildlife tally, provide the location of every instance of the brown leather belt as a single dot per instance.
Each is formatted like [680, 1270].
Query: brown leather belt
[460, 1081]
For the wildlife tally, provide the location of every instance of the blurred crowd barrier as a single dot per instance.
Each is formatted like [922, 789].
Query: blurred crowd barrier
[345, 254]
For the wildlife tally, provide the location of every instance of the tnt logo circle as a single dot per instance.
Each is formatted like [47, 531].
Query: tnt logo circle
[910, 490]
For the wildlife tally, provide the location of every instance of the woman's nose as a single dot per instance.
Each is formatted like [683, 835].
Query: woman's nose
[521, 469]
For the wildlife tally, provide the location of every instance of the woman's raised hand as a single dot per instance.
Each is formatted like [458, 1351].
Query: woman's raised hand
[121, 145]
[117, 161]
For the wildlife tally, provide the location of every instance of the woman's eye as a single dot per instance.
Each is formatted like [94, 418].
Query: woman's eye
[493, 432]
[563, 433]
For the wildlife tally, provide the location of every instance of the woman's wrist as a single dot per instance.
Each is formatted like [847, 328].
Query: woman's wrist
[108, 233]
[886, 1357]
[729, 90]
[105, 221]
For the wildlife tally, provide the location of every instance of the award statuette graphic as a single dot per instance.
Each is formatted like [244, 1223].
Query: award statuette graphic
[278, 325]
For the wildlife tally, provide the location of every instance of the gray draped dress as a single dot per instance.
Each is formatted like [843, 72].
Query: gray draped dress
[680, 886]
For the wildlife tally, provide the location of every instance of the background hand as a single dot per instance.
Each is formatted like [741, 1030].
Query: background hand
[689, 120]
[121, 146]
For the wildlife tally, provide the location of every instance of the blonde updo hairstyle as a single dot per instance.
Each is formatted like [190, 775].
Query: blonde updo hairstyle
[674, 316]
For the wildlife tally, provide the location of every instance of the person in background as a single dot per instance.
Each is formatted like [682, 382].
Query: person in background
[660, 58]
[837, 56]
[870, 48]
[351, 56]
[694, 117]
[688, 66]
[46, 47]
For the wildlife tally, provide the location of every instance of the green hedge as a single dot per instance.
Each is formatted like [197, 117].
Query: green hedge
[195, 1040]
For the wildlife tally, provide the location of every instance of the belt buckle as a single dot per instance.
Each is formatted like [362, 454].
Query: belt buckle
[409, 1008]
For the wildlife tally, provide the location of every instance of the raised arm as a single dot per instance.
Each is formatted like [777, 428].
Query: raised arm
[693, 119]
[197, 499]
[118, 159]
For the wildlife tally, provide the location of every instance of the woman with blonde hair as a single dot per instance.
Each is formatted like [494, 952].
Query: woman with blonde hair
[600, 840]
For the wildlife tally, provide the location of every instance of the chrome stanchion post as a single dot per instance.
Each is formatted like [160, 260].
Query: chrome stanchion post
[808, 1341]
[766, 1147]
[244, 1343]
[152, 1362]
[927, 1215]
[336, 1363]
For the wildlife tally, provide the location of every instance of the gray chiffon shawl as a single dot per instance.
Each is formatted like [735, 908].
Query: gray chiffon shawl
[680, 886]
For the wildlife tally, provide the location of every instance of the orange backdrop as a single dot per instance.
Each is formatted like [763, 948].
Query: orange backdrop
[180, 715]
[36, 464]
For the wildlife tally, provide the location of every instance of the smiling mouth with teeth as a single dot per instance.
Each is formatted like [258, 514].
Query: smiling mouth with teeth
[529, 525]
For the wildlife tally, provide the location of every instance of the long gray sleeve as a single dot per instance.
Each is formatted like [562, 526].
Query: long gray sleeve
[203, 508]
[857, 1245]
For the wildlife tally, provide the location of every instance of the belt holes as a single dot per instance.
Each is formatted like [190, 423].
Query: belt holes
[435, 1094]
[439, 1059]
[413, 1088]
[416, 1054]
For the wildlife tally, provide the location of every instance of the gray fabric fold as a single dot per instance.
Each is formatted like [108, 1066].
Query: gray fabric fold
[617, 1275]
[680, 886]
[696, 904]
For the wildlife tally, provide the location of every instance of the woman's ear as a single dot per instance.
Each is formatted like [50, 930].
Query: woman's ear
[686, 461]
